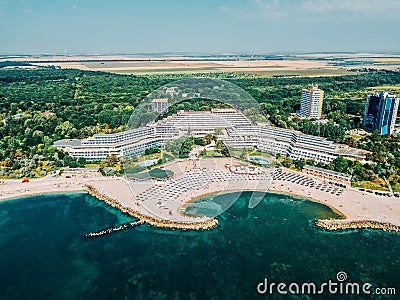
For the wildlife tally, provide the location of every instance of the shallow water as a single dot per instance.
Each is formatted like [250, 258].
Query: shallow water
[42, 254]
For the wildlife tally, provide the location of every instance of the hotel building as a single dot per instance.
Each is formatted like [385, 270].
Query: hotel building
[159, 105]
[328, 175]
[381, 112]
[311, 102]
[237, 133]
[290, 143]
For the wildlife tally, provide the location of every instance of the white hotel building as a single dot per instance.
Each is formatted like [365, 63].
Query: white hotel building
[237, 132]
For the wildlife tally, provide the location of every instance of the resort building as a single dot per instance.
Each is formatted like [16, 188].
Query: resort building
[381, 112]
[311, 102]
[159, 105]
[200, 123]
[290, 143]
[328, 175]
[99, 146]
[237, 133]
[171, 91]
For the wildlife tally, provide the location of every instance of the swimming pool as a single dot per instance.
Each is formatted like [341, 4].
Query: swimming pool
[259, 160]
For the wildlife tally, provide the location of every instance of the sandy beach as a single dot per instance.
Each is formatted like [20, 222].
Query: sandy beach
[14, 188]
[163, 204]
[355, 206]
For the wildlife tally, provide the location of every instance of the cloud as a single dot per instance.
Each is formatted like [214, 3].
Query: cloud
[225, 9]
[268, 4]
[28, 11]
[296, 8]
[269, 7]
[255, 9]
[362, 6]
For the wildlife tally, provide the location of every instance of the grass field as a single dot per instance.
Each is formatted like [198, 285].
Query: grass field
[213, 153]
[261, 153]
[396, 187]
[259, 68]
[370, 185]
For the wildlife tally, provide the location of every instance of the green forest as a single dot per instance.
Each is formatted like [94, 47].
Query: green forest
[40, 106]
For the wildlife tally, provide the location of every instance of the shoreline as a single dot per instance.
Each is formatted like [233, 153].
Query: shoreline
[160, 223]
[308, 198]
[352, 214]
[13, 189]
[45, 193]
[340, 225]
[325, 224]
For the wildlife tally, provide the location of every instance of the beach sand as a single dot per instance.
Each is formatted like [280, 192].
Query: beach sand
[356, 207]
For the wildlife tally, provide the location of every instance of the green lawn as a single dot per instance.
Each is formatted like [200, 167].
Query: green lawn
[370, 185]
[214, 153]
[396, 187]
[261, 153]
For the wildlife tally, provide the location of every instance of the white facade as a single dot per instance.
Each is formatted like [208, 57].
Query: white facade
[290, 143]
[237, 130]
[311, 102]
[159, 105]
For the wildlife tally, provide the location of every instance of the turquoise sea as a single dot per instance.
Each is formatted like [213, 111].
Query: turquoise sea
[43, 254]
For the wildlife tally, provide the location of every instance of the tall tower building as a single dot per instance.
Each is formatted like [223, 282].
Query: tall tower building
[381, 112]
[311, 102]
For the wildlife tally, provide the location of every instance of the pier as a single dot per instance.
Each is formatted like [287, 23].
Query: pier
[356, 224]
[151, 220]
[113, 229]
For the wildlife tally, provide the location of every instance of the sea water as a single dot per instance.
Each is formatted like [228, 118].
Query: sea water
[43, 254]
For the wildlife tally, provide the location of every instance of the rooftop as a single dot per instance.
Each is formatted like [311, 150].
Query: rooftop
[334, 173]
[161, 100]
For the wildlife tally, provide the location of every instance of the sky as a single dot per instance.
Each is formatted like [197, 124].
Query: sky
[198, 26]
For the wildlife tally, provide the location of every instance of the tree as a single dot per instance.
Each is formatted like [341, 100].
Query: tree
[340, 164]
[219, 145]
[218, 131]
[225, 151]
[244, 154]
[310, 162]
[287, 162]
[81, 162]
[186, 146]
[65, 130]
[111, 160]
[199, 141]
[299, 163]
[207, 139]
[152, 150]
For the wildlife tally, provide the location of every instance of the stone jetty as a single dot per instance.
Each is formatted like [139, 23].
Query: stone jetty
[113, 229]
[356, 224]
[160, 223]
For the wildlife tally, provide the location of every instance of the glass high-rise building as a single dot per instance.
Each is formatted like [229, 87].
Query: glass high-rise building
[381, 112]
[311, 102]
